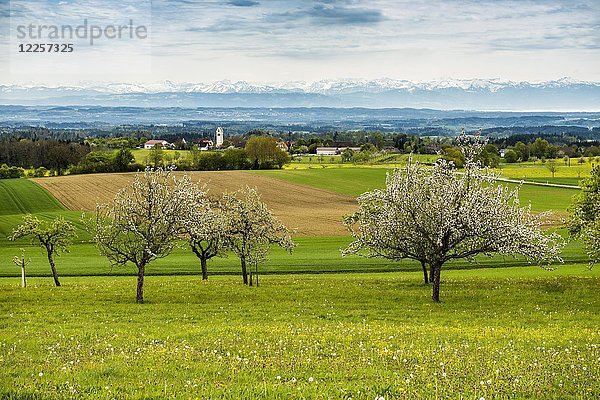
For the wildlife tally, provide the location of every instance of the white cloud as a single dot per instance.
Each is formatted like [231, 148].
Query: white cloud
[267, 40]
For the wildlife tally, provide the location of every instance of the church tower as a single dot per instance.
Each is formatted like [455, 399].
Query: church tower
[220, 135]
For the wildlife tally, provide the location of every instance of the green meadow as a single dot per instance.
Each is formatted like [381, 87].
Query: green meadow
[319, 325]
[565, 174]
[319, 254]
[22, 196]
[355, 181]
[500, 333]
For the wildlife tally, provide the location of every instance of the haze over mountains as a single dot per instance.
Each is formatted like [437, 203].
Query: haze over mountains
[477, 94]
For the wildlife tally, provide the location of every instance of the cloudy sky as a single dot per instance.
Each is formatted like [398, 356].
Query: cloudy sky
[277, 41]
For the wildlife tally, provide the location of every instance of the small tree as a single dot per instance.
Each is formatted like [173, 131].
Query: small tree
[251, 228]
[552, 166]
[204, 227]
[511, 156]
[156, 157]
[121, 160]
[143, 222]
[263, 152]
[23, 263]
[54, 236]
[437, 215]
[584, 220]
[347, 154]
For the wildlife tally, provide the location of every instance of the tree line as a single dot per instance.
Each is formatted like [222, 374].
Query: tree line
[56, 157]
[258, 149]
[51, 154]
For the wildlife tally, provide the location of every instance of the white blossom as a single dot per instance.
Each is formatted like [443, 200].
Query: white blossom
[144, 221]
[435, 215]
[251, 228]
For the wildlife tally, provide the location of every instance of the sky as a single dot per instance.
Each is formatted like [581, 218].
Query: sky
[266, 41]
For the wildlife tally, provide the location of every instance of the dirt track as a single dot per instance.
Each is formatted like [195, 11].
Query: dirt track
[308, 210]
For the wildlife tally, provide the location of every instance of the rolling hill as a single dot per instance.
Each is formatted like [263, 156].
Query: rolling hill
[22, 196]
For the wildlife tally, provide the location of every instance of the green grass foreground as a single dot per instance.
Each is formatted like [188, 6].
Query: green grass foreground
[499, 333]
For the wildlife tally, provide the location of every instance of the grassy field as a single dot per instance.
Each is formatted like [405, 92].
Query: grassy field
[529, 171]
[314, 254]
[384, 161]
[21, 196]
[319, 326]
[539, 172]
[348, 181]
[356, 181]
[141, 155]
[9, 222]
[498, 334]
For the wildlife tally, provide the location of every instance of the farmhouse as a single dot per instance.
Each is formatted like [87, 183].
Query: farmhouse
[150, 144]
[327, 151]
[283, 146]
[332, 151]
[204, 144]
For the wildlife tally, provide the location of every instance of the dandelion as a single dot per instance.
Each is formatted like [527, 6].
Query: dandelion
[41, 374]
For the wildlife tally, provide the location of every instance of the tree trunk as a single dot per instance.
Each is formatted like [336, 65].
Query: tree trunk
[244, 272]
[53, 267]
[436, 269]
[250, 277]
[23, 282]
[257, 275]
[204, 269]
[425, 277]
[140, 284]
[430, 273]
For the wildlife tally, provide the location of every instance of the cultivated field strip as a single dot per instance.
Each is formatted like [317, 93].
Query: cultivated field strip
[309, 211]
[21, 196]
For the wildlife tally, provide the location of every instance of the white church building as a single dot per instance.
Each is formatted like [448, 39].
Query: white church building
[220, 135]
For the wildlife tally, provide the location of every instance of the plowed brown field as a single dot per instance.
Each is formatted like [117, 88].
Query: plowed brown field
[308, 210]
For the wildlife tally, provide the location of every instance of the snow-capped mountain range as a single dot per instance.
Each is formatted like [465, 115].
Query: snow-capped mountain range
[481, 94]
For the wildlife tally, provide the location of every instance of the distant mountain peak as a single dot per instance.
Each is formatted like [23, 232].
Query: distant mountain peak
[446, 93]
[324, 86]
